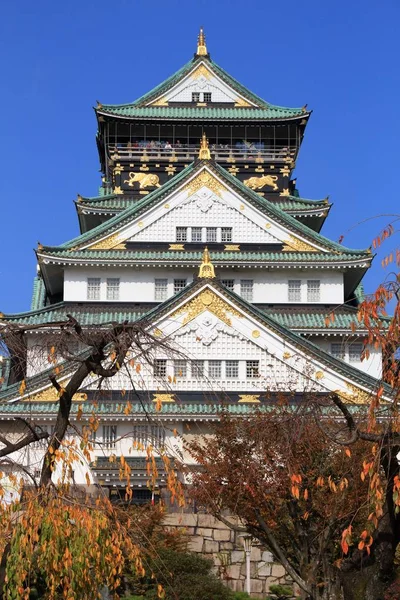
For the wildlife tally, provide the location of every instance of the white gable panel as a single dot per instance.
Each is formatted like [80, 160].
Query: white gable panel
[205, 210]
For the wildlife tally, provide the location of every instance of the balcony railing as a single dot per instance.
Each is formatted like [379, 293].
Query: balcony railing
[220, 152]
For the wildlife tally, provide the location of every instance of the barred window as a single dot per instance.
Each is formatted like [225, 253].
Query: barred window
[229, 283]
[179, 285]
[232, 369]
[313, 290]
[207, 96]
[196, 234]
[195, 96]
[337, 350]
[214, 369]
[252, 369]
[160, 367]
[181, 234]
[246, 289]
[160, 289]
[198, 369]
[294, 290]
[226, 234]
[113, 288]
[149, 434]
[93, 288]
[109, 435]
[355, 351]
[180, 368]
[211, 234]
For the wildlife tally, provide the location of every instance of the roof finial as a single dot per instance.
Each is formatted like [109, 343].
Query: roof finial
[204, 152]
[201, 44]
[206, 270]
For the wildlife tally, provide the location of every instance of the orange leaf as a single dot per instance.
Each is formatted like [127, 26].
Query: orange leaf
[348, 452]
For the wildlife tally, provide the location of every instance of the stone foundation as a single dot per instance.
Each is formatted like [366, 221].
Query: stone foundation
[223, 546]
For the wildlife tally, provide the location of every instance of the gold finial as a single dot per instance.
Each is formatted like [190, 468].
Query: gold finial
[201, 44]
[204, 152]
[206, 270]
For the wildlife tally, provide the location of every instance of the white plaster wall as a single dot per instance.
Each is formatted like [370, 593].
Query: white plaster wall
[371, 365]
[221, 92]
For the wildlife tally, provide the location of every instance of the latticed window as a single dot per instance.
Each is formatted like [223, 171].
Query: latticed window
[246, 289]
[160, 367]
[196, 234]
[214, 369]
[211, 234]
[207, 96]
[160, 289]
[232, 369]
[195, 96]
[337, 350]
[198, 369]
[294, 290]
[226, 234]
[252, 369]
[113, 288]
[109, 435]
[179, 285]
[149, 434]
[229, 283]
[313, 290]
[93, 288]
[181, 234]
[180, 368]
[355, 351]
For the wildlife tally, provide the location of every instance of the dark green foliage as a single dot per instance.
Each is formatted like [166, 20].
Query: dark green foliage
[241, 596]
[280, 592]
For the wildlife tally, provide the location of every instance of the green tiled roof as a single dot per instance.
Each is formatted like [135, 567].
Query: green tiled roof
[140, 110]
[293, 203]
[38, 294]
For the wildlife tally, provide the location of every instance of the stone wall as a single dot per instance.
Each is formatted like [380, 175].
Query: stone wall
[217, 541]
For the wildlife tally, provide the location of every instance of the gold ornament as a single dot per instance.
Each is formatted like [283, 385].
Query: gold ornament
[285, 192]
[256, 183]
[201, 44]
[249, 398]
[232, 248]
[206, 270]
[256, 334]
[113, 241]
[145, 180]
[207, 300]
[294, 244]
[241, 103]
[204, 179]
[176, 247]
[204, 152]
[163, 398]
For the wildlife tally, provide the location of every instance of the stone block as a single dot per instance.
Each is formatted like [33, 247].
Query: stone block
[237, 585]
[207, 532]
[256, 586]
[205, 521]
[196, 544]
[263, 569]
[255, 554]
[181, 520]
[233, 571]
[222, 535]
[278, 571]
[267, 556]
[237, 556]
[210, 546]
[222, 559]
[226, 546]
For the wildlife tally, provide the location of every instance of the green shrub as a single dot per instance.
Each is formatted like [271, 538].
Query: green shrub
[241, 596]
[280, 592]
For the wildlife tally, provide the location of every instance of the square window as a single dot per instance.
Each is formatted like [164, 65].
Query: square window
[207, 97]
[109, 435]
[355, 351]
[113, 288]
[179, 285]
[294, 290]
[211, 234]
[232, 369]
[337, 350]
[180, 368]
[313, 290]
[226, 234]
[246, 289]
[195, 96]
[214, 369]
[160, 367]
[198, 369]
[160, 289]
[252, 369]
[181, 234]
[93, 288]
[229, 284]
[196, 234]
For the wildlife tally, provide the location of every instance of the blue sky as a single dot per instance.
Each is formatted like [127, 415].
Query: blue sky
[341, 58]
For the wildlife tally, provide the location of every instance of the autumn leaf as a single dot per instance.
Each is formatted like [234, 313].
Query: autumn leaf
[22, 387]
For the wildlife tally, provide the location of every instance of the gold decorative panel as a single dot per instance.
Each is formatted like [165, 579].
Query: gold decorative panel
[232, 248]
[50, 394]
[145, 180]
[256, 183]
[176, 247]
[354, 395]
[112, 241]
[163, 398]
[160, 102]
[201, 71]
[285, 171]
[294, 244]
[285, 192]
[241, 103]
[207, 300]
[204, 179]
[250, 398]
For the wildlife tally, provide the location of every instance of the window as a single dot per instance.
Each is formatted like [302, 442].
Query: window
[229, 283]
[196, 234]
[207, 96]
[355, 351]
[160, 289]
[149, 434]
[211, 234]
[198, 369]
[313, 290]
[226, 234]
[337, 350]
[113, 289]
[195, 96]
[109, 435]
[179, 285]
[214, 369]
[93, 288]
[294, 290]
[246, 289]
[160, 367]
[180, 368]
[232, 369]
[252, 369]
[181, 234]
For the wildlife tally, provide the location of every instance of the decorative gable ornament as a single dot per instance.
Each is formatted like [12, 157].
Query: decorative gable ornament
[206, 270]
